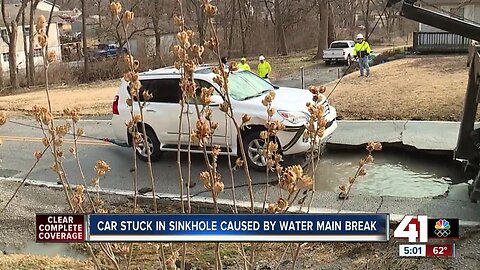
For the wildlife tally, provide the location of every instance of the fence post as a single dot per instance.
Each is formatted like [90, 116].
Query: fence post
[302, 75]
[415, 41]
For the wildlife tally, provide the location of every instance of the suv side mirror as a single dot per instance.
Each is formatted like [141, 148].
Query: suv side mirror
[216, 100]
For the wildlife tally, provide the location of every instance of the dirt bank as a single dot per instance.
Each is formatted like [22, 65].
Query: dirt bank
[426, 88]
[93, 99]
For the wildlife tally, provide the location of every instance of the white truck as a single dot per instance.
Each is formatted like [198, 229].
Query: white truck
[339, 51]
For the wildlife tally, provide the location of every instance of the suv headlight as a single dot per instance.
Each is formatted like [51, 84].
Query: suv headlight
[294, 117]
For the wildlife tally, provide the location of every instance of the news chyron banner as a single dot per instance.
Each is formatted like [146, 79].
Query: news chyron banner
[213, 227]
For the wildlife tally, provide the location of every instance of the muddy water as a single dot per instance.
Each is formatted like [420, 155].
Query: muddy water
[393, 173]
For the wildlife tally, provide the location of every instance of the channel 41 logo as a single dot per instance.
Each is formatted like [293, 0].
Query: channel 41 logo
[422, 229]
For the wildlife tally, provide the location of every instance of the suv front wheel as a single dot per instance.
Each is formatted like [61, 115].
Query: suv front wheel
[153, 145]
[253, 146]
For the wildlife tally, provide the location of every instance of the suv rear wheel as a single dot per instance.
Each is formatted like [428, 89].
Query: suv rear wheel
[153, 145]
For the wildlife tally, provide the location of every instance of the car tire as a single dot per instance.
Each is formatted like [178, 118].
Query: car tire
[154, 143]
[253, 145]
[327, 63]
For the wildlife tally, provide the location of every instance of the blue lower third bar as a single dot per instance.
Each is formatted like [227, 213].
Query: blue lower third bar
[238, 227]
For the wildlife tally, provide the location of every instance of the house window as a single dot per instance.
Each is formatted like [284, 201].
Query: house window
[4, 35]
[37, 53]
[5, 57]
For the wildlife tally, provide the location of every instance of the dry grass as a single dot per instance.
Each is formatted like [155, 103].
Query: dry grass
[429, 88]
[93, 99]
[286, 65]
[96, 98]
[30, 262]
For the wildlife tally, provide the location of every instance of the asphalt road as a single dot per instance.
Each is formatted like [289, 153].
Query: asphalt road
[314, 75]
[20, 142]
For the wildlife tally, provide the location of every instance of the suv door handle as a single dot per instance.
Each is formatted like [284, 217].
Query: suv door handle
[151, 110]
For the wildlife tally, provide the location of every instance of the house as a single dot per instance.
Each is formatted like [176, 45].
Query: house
[431, 39]
[53, 40]
[47, 6]
[144, 45]
[142, 42]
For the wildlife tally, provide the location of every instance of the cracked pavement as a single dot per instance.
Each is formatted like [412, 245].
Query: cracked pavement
[422, 135]
[20, 142]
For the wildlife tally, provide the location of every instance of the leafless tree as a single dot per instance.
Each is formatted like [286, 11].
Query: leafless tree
[322, 6]
[366, 10]
[194, 7]
[11, 22]
[84, 38]
[158, 6]
[31, 42]
[1, 78]
[245, 15]
[25, 47]
[232, 26]
[387, 18]
[279, 27]
[160, 13]
[285, 14]
[344, 17]
[332, 34]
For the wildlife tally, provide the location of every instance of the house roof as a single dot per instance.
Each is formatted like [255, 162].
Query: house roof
[11, 11]
[142, 26]
[50, 3]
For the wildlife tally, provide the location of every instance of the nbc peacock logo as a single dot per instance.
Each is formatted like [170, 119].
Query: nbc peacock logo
[442, 228]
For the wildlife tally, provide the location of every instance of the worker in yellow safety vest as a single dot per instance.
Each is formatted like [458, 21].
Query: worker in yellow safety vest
[263, 67]
[361, 51]
[243, 64]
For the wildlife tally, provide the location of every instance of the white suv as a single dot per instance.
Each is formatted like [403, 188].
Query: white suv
[161, 114]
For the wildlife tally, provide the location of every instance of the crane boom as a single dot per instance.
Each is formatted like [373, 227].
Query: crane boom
[468, 143]
[439, 20]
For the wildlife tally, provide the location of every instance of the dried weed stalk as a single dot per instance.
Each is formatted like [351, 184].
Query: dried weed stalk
[361, 171]
[139, 98]
[188, 56]
[53, 139]
[137, 101]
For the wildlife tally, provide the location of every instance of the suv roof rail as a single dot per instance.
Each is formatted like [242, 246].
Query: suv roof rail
[171, 70]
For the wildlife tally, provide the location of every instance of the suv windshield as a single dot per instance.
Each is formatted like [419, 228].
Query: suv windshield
[244, 85]
[338, 45]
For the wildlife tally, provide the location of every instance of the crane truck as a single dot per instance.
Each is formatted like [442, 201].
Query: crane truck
[467, 149]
